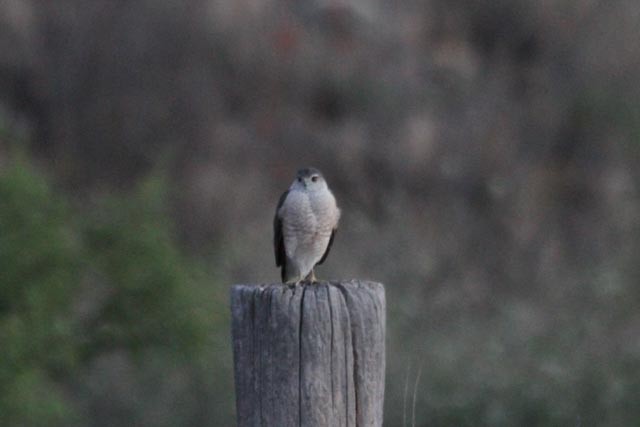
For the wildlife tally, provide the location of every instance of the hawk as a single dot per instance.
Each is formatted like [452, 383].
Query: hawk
[304, 226]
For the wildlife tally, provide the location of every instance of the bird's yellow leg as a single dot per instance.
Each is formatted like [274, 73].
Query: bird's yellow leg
[311, 277]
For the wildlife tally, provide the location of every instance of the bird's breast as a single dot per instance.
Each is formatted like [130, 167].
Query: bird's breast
[308, 219]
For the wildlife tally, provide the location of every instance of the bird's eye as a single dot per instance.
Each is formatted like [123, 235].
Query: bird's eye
[314, 178]
[299, 179]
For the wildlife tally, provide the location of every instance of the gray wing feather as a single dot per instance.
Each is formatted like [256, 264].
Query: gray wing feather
[326, 252]
[278, 239]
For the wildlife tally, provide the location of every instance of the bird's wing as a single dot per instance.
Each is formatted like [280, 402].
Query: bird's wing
[278, 239]
[326, 252]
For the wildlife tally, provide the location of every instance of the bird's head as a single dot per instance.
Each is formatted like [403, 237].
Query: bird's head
[309, 179]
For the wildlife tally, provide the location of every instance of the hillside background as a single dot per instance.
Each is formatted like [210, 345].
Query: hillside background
[484, 153]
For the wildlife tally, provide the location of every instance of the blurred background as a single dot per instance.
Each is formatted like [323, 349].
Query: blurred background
[484, 153]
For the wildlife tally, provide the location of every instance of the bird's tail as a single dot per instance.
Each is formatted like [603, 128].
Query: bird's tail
[289, 273]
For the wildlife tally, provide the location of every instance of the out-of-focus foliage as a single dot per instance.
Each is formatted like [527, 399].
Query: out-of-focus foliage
[151, 295]
[77, 292]
[39, 259]
[484, 154]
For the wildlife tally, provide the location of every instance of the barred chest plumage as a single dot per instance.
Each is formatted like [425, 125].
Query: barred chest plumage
[304, 226]
[308, 220]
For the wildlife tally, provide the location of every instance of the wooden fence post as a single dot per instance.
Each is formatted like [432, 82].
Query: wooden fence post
[311, 355]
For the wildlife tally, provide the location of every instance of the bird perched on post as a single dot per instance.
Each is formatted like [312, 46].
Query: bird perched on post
[304, 226]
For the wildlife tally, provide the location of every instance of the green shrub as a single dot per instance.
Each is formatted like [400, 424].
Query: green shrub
[39, 258]
[152, 296]
[79, 285]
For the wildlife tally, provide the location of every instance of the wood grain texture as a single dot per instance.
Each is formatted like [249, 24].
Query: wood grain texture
[311, 355]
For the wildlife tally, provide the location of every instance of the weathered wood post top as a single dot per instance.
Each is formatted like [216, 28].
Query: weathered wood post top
[310, 355]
